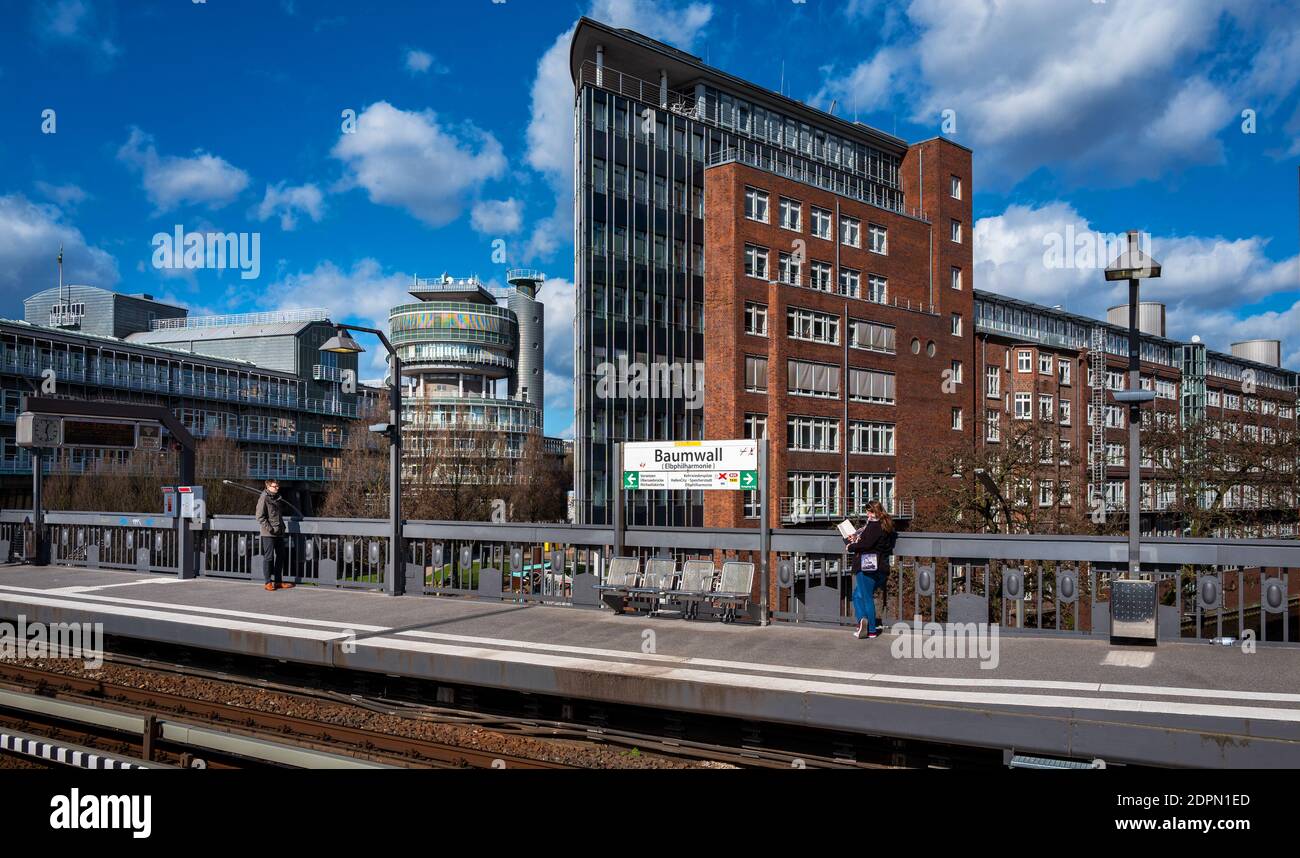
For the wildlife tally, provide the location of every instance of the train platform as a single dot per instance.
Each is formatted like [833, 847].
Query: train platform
[1178, 704]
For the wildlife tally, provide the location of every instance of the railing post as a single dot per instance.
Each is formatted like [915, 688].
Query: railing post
[764, 532]
[619, 513]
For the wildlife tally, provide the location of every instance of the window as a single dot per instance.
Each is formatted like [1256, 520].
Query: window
[850, 231]
[956, 278]
[879, 238]
[821, 223]
[755, 426]
[850, 282]
[819, 276]
[598, 174]
[1024, 406]
[620, 180]
[1063, 371]
[1064, 448]
[791, 214]
[1046, 408]
[756, 204]
[813, 434]
[864, 488]
[812, 492]
[1114, 417]
[956, 418]
[1045, 364]
[756, 261]
[1165, 389]
[1046, 492]
[1114, 380]
[993, 426]
[756, 318]
[812, 326]
[954, 187]
[993, 381]
[956, 324]
[1064, 406]
[866, 385]
[872, 336]
[813, 379]
[877, 289]
[956, 231]
[789, 267]
[956, 372]
[872, 439]
[1024, 361]
[756, 374]
[639, 188]
[1214, 397]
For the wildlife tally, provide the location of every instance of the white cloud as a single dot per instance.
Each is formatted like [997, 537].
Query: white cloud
[289, 202]
[408, 160]
[67, 196]
[557, 295]
[420, 62]
[550, 126]
[74, 22]
[30, 235]
[171, 181]
[1098, 90]
[497, 217]
[1202, 281]
[362, 295]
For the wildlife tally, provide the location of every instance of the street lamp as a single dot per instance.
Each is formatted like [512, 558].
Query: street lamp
[1134, 266]
[343, 343]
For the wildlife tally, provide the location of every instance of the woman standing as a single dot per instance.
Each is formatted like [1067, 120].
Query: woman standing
[870, 550]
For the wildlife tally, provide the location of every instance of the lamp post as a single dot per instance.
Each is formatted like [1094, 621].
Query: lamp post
[1134, 266]
[343, 343]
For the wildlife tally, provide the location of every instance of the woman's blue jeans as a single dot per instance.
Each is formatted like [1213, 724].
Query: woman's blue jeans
[864, 597]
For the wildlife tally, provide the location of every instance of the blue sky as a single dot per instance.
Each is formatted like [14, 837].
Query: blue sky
[226, 115]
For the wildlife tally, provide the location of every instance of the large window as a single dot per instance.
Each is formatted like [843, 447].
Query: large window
[819, 276]
[878, 238]
[1046, 408]
[1063, 371]
[813, 379]
[1024, 361]
[812, 326]
[877, 289]
[756, 204]
[756, 318]
[872, 336]
[756, 374]
[850, 231]
[821, 223]
[868, 385]
[1024, 406]
[789, 268]
[872, 439]
[993, 381]
[813, 434]
[756, 261]
[755, 426]
[791, 214]
[850, 282]
[1064, 410]
[864, 488]
[813, 492]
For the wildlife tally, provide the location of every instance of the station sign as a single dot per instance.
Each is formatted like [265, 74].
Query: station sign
[692, 465]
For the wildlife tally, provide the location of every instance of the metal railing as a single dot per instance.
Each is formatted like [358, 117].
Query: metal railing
[795, 510]
[272, 317]
[1050, 585]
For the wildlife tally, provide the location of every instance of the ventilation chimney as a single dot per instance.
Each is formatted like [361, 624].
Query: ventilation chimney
[1260, 351]
[1151, 317]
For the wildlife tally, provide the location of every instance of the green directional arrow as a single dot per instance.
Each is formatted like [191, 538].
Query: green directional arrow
[631, 479]
[748, 479]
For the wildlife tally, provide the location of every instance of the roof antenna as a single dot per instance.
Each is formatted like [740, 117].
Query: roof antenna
[60, 271]
[783, 77]
[832, 110]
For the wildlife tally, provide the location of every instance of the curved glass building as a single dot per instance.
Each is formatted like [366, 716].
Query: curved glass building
[472, 362]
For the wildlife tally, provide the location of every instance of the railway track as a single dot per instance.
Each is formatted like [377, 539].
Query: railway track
[281, 729]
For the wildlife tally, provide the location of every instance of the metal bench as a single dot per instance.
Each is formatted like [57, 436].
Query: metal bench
[622, 578]
[735, 589]
[695, 586]
[659, 578]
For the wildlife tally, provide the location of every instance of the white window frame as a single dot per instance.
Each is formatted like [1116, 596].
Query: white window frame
[756, 199]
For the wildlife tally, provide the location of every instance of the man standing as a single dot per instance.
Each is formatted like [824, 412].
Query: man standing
[275, 541]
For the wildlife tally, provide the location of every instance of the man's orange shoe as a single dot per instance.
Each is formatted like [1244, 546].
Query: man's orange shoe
[286, 586]
[269, 586]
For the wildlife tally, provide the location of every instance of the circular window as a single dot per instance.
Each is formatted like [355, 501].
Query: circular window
[929, 349]
[916, 346]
